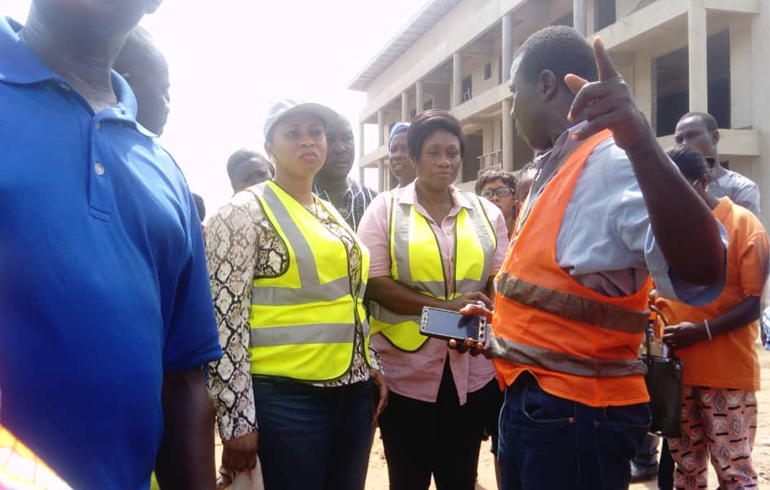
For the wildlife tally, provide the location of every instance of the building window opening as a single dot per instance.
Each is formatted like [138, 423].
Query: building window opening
[566, 20]
[487, 71]
[672, 83]
[719, 78]
[604, 14]
[467, 88]
[474, 148]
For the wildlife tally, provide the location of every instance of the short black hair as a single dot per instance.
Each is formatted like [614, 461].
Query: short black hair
[530, 168]
[492, 174]
[428, 122]
[706, 118]
[242, 155]
[689, 160]
[200, 206]
[560, 49]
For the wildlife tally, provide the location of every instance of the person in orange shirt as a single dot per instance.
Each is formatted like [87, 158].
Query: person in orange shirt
[716, 345]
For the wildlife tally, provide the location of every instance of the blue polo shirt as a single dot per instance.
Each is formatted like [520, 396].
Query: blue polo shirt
[103, 280]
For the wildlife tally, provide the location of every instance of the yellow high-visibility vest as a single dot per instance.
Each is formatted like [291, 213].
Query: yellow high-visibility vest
[416, 262]
[303, 321]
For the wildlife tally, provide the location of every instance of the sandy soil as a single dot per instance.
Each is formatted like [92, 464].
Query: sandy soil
[378, 472]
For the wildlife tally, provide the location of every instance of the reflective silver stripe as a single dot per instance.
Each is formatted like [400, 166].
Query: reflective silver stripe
[485, 230]
[399, 222]
[312, 290]
[281, 296]
[386, 316]
[487, 240]
[316, 333]
[560, 362]
[470, 285]
[572, 307]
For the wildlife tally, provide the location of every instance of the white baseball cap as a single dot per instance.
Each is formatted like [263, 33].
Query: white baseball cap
[284, 107]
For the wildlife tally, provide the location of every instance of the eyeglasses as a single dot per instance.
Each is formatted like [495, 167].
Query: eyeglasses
[499, 191]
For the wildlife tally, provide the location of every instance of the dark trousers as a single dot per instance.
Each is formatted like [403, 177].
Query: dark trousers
[313, 438]
[648, 453]
[440, 439]
[550, 442]
[666, 468]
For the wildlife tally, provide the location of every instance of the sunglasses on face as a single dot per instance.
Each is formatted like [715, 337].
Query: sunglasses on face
[499, 191]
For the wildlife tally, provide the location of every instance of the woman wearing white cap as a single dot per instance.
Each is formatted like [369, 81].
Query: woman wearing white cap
[288, 277]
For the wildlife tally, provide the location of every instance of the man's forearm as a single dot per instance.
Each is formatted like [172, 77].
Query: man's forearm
[186, 457]
[399, 298]
[744, 313]
[684, 226]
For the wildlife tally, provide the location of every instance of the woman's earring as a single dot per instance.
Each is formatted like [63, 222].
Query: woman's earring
[273, 160]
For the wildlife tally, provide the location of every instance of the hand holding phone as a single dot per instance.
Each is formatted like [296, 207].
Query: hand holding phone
[448, 324]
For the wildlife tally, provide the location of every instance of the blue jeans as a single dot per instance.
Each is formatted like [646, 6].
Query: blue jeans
[550, 442]
[313, 438]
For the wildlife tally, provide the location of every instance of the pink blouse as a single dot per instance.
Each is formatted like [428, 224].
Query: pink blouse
[418, 375]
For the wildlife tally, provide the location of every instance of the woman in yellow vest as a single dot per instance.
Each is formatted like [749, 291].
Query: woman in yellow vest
[288, 278]
[21, 469]
[432, 245]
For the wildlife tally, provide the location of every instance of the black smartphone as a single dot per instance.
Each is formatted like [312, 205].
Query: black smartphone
[448, 324]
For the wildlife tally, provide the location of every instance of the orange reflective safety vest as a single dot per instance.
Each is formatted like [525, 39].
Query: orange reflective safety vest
[579, 344]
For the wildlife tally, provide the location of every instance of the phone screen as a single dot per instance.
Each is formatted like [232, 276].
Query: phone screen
[450, 324]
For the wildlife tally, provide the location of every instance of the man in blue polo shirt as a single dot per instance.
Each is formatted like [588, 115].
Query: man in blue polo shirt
[105, 309]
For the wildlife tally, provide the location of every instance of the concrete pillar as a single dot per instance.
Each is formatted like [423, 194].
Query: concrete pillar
[760, 100]
[507, 47]
[361, 174]
[420, 96]
[644, 82]
[457, 79]
[697, 37]
[508, 129]
[361, 145]
[580, 16]
[380, 128]
[591, 19]
[404, 107]
[381, 176]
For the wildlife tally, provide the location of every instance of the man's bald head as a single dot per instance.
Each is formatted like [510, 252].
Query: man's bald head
[145, 69]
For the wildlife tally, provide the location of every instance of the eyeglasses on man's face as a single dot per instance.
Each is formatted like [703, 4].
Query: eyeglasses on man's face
[498, 191]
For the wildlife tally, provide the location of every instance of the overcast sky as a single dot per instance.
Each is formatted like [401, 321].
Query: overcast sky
[230, 58]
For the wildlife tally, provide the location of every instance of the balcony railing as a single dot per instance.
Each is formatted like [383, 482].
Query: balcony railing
[493, 159]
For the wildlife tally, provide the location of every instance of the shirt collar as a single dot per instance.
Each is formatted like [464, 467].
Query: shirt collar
[408, 195]
[723, 209]
[353, 188]
[550, 160]
[564, 143]
[20, 66]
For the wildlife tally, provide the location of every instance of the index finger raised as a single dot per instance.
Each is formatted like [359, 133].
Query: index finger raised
[604, 64]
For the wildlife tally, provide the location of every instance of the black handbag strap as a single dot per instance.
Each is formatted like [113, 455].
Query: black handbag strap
[651, 330]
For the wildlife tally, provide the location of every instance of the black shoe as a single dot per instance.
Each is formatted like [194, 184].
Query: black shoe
[643, 472]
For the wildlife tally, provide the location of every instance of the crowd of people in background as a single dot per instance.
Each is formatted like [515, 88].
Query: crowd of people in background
[292, 318]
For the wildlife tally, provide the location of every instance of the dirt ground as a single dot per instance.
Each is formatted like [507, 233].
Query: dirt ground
[378, 472]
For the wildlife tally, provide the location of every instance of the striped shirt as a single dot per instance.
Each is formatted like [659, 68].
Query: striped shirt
[354, 201]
